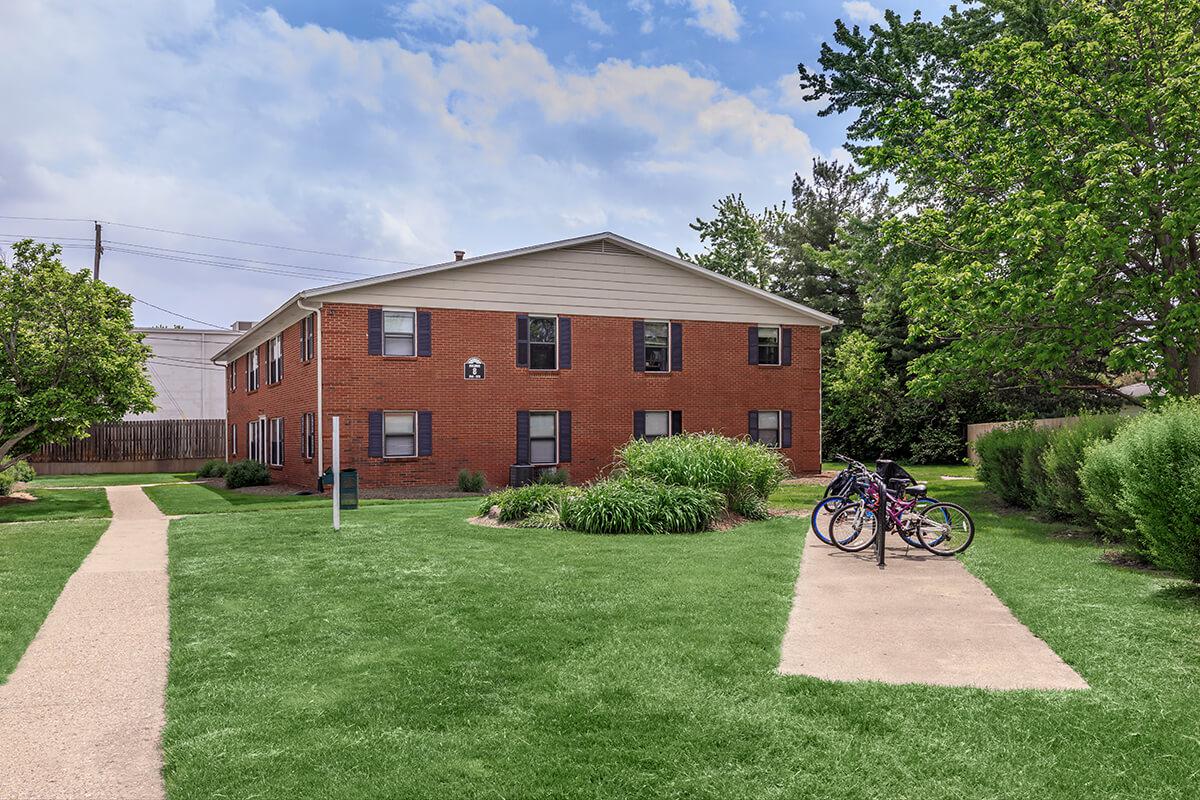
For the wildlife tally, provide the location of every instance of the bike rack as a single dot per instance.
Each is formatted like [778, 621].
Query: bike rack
[881, 530]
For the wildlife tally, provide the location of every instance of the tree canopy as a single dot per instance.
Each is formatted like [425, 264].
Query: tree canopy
[70, 357]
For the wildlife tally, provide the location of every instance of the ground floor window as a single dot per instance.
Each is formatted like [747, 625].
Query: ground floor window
[308, 436]
[399, 434]
[658, 423]
[543, 437]
[254, 441]
[276, 441]
[768, 428]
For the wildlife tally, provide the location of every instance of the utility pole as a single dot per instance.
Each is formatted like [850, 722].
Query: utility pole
[99, 250]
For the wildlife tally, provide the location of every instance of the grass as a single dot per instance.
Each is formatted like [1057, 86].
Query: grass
[57, 504]
[110, 479]
[35, 562]
[415, 655]
[200, 498]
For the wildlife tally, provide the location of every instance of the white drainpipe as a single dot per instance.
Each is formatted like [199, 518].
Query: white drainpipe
[320, 391]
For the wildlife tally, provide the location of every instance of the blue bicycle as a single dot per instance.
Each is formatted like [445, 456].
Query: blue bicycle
[849, 487]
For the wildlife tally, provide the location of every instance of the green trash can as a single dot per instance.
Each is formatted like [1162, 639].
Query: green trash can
[349, 478]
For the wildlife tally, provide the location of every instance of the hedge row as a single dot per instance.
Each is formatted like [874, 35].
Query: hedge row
[1135, 479]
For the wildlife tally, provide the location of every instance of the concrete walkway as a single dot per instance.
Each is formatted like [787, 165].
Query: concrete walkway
[922, 619]
[82, 714]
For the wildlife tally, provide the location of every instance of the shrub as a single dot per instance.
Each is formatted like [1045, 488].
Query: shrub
[521, 502]
[542, 519]
[1160, 483]
[1062, 461]
[246, 473]
[1001, 453]
[1100, 479]
[638, 505]
[1034, 481]
[212, 469]
[732, 467]
[558, 476]
[19, 472]
[470, 481]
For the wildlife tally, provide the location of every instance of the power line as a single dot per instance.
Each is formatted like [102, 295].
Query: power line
[177, 314]
[233, 258]
[314, 274]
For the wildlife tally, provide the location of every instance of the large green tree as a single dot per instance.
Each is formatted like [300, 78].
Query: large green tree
[69, 357]
[738, 242]
[1048, 155]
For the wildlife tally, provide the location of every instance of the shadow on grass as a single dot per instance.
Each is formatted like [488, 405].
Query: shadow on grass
[1178, 596]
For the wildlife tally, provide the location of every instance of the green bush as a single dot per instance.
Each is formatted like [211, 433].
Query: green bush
[1062, 461]
[732, 467]
[1160, 483]
[558, 476]
[1034, 480]
[523, 501]
[246, 473]
[1100, 479]
[470, 481]
[542, 519]
[638, 505]
[213, 469]
[1001, 455]
[19, 472]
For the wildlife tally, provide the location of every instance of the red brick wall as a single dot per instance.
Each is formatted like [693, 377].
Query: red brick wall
[474, 422]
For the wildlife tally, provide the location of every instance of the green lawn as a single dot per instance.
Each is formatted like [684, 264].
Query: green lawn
[414, 655]
[200, 498]
[111, 479]
[57, 504]
[35, 562]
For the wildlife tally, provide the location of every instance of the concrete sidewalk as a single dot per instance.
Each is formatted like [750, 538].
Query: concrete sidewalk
[922, 619]
[82, 714]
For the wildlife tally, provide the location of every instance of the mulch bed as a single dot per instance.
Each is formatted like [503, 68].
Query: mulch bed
[819, 479]
[16, 498]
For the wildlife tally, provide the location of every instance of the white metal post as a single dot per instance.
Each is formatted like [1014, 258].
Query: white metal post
[337, 473]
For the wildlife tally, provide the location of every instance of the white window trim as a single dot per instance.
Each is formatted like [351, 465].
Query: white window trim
[648, 411]
[383, 331]
[275, 359]
[557, 438]
[233, 371]
[274, 430]
[416, 434]
[666, 322]
[252, 365]
[532, 368]
[778, 346]
[778, 427]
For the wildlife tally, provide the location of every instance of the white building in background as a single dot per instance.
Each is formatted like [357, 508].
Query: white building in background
[186, 382]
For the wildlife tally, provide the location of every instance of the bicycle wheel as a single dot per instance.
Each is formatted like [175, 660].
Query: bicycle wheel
[852, 528]
[945, 529]
[909, 532]
[823, 512]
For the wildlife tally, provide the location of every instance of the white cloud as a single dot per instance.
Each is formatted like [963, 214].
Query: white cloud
[243, 125]
[590, 18]
[791, 96]
[862, 11]
[646, 9]
[719, 18]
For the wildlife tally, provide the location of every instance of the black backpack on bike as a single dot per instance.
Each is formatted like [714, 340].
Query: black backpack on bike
[894, 476]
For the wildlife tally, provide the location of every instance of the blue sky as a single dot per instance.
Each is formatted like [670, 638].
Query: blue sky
[395, 131]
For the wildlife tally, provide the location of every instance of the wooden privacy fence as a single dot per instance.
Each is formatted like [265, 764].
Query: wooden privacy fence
[160, 441]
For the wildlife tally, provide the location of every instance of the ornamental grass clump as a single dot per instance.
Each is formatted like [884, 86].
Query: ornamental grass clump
[740, 470]
[637, 505]
[523, 501]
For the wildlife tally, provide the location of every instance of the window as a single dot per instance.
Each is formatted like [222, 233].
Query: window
[276, 442]
[275, 359]
[658, 349]
[398, 333]
[543, 342]
[543, 436]
[233, 439]
[307, 325]
[768, 428]
[233, 377]
[252, 441]
[308, 436]
[252, 370]
[658, 423]
[768, 346]
[399, 434]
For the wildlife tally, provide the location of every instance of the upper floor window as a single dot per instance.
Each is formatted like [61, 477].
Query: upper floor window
[252, 370]
[307, 327]
[658, 346]
[275, 359]
[543, 342]
[768, 345]
[399, 434]
[233, 377]
[399, 333]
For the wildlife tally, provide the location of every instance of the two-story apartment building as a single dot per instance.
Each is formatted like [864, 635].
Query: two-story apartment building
[554, 354]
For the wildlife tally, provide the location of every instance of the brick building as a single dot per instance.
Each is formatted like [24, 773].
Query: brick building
[549, 355]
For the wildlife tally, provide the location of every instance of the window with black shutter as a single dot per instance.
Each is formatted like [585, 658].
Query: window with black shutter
[399, 434]
[767, 425]
[543, 437]
[768, 346]
[657, 346]
[399, 333]
[543, 343]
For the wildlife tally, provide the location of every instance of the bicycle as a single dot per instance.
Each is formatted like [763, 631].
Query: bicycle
[852, 481]
[944, 529]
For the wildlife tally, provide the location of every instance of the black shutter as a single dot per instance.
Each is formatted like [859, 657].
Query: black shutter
[374, 332]
[639, 424]
[785, 426]
[639, 346]
[424, 334]
[522, 344]
[564, 437]
[676, 347]
[564, 342]
[752, 340]
[303, 430]
[752, 426]
[424, 433]
[522, 437]
[676, 422]
[785, 346]
[375, 435]
[282, 439]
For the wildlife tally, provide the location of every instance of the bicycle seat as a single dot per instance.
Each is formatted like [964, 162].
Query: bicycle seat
[917, 489]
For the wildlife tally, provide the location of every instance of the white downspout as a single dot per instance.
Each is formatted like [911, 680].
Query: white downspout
[320, 391]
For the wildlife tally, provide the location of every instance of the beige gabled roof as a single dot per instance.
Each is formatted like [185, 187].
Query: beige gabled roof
[817, 317]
